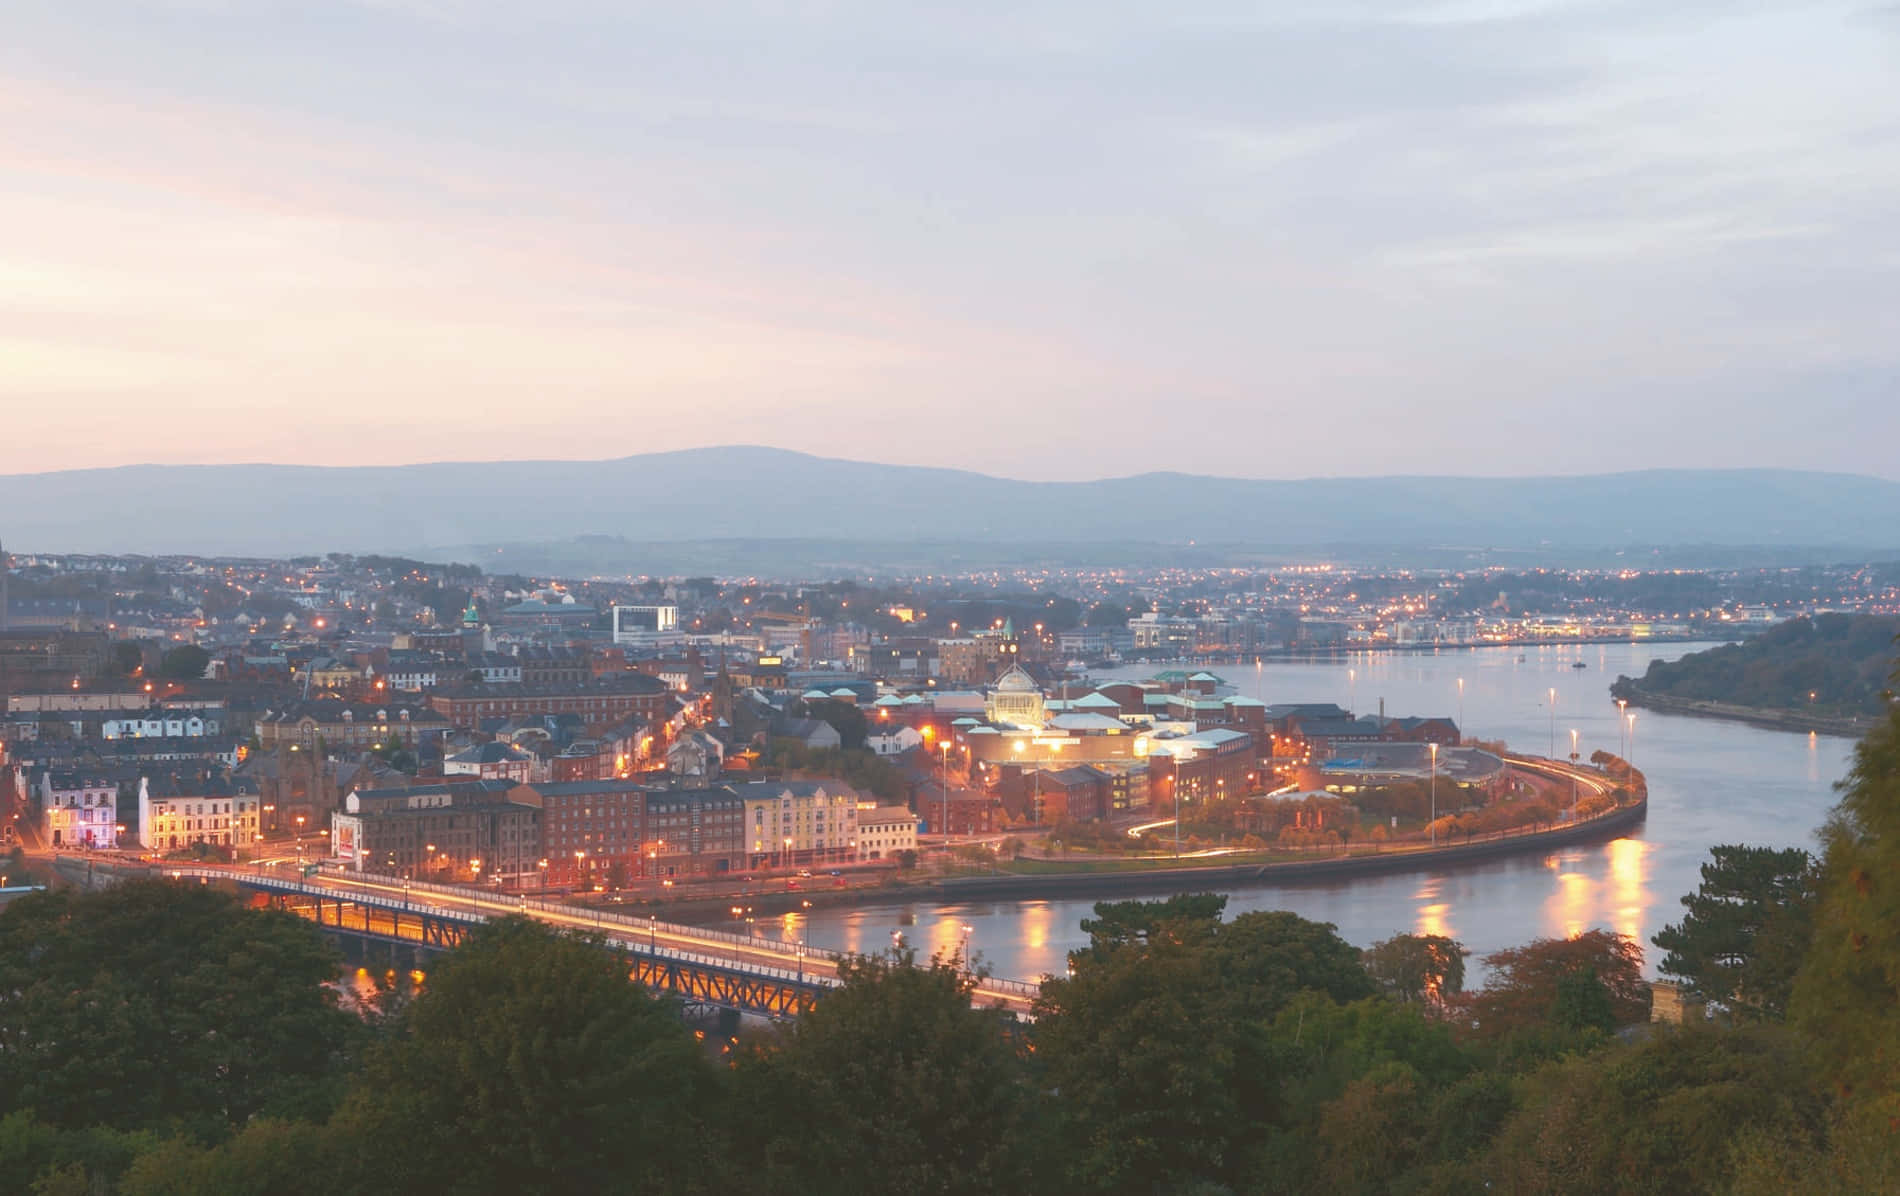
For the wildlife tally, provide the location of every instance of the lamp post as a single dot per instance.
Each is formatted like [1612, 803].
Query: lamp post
[1434, 753]
[653, 933]
[580, 862]
[1630, 751]
[1461, 705]
[944, 751]
[1553, 722]
[1174, 762]
[1622, 746]
[1573, 772]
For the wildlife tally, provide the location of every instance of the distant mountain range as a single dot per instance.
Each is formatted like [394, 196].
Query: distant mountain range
[466, 510]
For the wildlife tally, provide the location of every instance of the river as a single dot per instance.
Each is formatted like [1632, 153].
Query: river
[1709, 783]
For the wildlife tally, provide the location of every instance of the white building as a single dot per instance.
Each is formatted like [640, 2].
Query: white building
[78, 810]
[884, 831]
[647, 626]
[493, 761]
[161, 724]
[171, 822]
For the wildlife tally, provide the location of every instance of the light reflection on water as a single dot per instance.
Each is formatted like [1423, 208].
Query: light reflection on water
[1710, 783]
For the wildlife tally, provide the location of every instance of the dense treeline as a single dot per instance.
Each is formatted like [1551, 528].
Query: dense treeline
[166, 1039]
[1828, 664]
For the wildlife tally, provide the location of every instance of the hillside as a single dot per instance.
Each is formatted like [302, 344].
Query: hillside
[1832, 666]
[750, 493]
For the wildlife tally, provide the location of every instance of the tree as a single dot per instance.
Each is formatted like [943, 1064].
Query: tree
[126, 657]
[1160, 1087]
[1265, 959]
[1847, 993]
[1417, 967]
[531, 1063]
[186, 662]
[1745, 929]
[153, 1004]
[1158, 1042]
[1663, 1116]
[900, 1086]
[1531, 986]
[1132, 923]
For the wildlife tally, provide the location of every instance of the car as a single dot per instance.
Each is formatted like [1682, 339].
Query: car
[804, 872]
[835, 872]
[791, 884]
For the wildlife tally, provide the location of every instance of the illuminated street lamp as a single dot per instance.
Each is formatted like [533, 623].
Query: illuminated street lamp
[1434, 748]
[1553, 722]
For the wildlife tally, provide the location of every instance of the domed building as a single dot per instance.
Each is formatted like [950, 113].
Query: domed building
[1017, 700]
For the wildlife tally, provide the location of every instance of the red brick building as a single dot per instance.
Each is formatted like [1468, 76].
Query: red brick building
[599, 703]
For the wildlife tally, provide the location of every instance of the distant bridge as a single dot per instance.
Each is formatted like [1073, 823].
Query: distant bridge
[704, 967]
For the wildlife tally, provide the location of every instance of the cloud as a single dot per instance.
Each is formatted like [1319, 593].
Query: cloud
[957, 235]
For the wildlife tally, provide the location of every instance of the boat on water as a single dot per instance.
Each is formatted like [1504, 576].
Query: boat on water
[1578, 664]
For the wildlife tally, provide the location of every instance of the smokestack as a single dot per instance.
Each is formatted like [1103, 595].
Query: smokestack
[1382, 712]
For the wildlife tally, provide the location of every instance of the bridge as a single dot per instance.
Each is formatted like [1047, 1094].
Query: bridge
[707, 968]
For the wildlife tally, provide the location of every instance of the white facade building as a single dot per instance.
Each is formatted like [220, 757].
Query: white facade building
[79, 811]
[171, 823]
[884, 831]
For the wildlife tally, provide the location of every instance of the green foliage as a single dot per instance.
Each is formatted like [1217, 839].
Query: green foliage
[1841, 660]
[1159, 1041]
[186, 662]
[844, 717]
[1554, 984]
[863, 770]
[899, 1086]
[1746, 928]
[269, 1158]
[1417, 967]
[153, 1004]
[1847, 993]
[529, 1063]
[1132, 923]
[1663, 1116]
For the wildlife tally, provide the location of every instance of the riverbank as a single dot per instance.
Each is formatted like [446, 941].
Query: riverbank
[1114, 877]
[1613, 825]
[1847, 726]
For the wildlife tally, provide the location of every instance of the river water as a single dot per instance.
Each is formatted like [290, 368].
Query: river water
[1709, 783]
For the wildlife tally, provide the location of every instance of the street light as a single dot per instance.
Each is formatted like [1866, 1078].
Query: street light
[1553, 722]
[1629, 757]
[1573, 772]
[1622, 748]
[944, 748]
[1434, 827]
[1461, 705]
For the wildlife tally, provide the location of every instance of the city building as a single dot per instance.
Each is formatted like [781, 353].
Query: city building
[181, 808]
[885, 831]
[600, 703]
[492, 761]
[459, 830]
[78, 809]
[799, 822]
[595, 832]
[647, 626]
[337, 723]
[1017, 700]
[695, 832]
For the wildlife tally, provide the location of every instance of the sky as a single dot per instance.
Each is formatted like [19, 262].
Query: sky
[1055, 239]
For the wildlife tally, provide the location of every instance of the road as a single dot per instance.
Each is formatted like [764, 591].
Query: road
[732, 949]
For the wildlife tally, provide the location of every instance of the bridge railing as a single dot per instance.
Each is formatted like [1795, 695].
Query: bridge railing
[625, 929]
